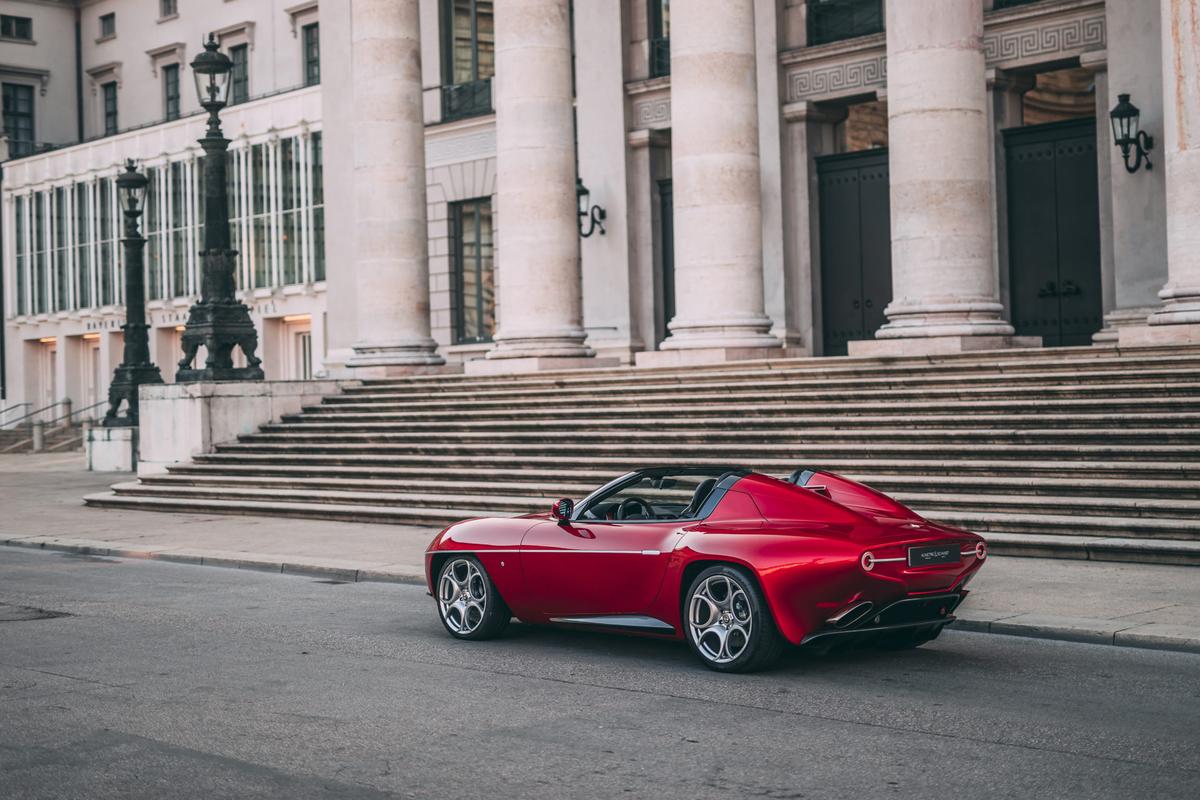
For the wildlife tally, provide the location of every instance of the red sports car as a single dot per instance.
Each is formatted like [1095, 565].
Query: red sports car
[735, 562]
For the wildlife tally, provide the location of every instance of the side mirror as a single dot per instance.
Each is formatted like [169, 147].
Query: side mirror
[562, 509]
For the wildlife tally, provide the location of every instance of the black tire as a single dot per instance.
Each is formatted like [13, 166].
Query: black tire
[480, 613]
[909, 639]
[725, 647]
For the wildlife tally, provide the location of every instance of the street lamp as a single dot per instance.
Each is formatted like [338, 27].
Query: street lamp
[1125, 116]
[218, 321]
[136, 368]
[592, 216]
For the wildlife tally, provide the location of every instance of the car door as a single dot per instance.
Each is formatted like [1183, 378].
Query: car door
[595, 567]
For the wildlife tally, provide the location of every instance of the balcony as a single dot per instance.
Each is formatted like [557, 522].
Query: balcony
[835, 20]
[463, 100]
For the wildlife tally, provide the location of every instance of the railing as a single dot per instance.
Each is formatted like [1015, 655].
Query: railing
[835, 20]
[4, 412]
[463, 100]
[35, 415]
[660, 57]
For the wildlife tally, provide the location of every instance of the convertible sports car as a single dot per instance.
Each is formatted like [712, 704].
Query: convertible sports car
[735, 562]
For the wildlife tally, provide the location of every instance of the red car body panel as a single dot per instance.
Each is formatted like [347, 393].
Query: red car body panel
[804, 545]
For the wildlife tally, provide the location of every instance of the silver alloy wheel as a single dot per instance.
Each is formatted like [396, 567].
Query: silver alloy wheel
[462, 596]
[720, 619]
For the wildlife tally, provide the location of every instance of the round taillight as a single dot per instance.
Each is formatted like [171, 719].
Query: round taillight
[981, 551]
[867, 561]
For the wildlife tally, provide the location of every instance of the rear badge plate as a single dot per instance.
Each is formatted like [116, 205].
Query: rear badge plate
[934, 554]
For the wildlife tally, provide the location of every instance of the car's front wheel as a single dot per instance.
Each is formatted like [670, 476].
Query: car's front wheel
[468, 603]
[728, 623]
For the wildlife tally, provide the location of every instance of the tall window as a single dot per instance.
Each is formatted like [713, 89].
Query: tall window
[110, 107]
[18, 118]
[834, 20]
[239, 91]
[152, 229]
[167, 8]
[312, 54]
[317, 182]
[41, 261]
[468, 58]
[108, 25]
[62, 262]
[85, 296]
[474, 274]
[660, 38]
[177, 230]
[107, 239]
[16, 27]
[22, 253]
[170, 75]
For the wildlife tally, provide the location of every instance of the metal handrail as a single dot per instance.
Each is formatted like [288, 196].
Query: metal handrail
[4, 411]
[35, 412]
[70, 414]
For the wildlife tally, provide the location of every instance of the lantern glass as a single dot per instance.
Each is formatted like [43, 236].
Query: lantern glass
[131, 186]
[582, 195]
[212, 87]
[1124, 121]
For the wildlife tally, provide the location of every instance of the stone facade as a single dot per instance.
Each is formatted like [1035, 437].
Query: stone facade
[708, 165]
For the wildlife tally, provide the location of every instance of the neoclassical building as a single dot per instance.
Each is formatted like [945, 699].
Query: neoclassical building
[762, 177]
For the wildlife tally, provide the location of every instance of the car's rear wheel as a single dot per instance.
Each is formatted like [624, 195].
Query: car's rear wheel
[728, 623]
[468, 603]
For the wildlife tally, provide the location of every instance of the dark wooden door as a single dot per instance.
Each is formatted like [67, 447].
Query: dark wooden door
[856, 246]
[1054, 231]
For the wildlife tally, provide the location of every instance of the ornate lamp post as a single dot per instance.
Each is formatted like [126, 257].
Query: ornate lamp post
[219, 321]
[1126, 135]
[136, 368]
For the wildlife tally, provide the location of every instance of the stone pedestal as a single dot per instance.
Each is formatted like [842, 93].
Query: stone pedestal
[717, 179]
[944, 281]
[539, 308]
[391, 267]
[1181, 156]
[179, 421]
[112, 449]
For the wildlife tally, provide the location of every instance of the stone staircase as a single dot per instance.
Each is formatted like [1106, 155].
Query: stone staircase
[58, 439]
[1070, 452]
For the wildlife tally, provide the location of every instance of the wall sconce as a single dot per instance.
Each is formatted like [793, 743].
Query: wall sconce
[1127, 136]
[591, 217]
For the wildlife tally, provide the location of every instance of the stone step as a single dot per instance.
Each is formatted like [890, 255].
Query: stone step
[1107, 422]
[749, 392]
[746, 435]
[1185, 513]
[847, 408]
[1114, 548]
[989, 521]
[779, 380]
[652, 453]
[577, 484]
[529, 466]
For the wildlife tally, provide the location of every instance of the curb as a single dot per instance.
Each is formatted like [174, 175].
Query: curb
[346, 574]
[1146, 636]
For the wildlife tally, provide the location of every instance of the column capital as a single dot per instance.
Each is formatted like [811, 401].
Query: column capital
[648, 137]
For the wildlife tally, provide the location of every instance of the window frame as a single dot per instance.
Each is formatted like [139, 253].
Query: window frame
[25, 146]
[851, 7]
[310, 39]
[16, 24]
[168, 9]
[458, 268]
[170, 99]
[110, 115]
[466, 99]
[726, 478]
[240, 60]
[108, 25]
[660, 38]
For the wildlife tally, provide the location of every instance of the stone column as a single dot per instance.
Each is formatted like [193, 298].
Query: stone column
[539, 305]
[717, 183]
[945, 296]
[391, 266]
[1181, 156]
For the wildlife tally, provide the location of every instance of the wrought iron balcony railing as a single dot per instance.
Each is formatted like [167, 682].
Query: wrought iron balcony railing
[835, 20]
[463, 100]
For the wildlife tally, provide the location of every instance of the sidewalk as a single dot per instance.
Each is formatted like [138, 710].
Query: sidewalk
[1133, 605]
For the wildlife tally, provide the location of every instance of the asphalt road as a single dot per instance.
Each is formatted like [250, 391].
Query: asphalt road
[167, 680]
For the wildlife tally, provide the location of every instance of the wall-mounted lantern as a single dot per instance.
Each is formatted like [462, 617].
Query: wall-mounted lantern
[591, 218]
[1128, 137]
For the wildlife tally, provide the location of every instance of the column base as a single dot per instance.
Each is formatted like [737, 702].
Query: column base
[700, 356]
[1158, 335]
[938, 345]
[1116, 320]
[510, 366]
[403, 354]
